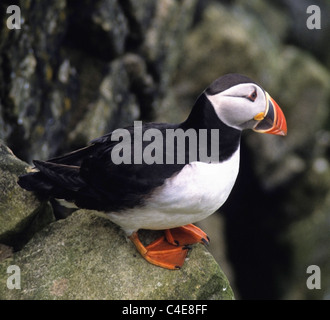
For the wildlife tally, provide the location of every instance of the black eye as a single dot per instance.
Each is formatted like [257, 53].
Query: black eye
[253, 96]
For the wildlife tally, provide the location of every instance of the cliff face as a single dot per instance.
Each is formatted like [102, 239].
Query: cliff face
[72, 72]
[78, 69]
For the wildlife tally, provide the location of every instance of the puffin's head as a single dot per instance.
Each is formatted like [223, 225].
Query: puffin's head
[241, 103]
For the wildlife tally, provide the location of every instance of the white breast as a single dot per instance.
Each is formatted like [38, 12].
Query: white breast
[194, 193]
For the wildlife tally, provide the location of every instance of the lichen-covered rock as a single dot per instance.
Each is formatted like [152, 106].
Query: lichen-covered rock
[75, 66]
[87, 257]
[114, 106]
[35, 104]
[21, 213]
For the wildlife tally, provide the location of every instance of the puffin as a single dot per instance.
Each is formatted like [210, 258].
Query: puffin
[177, 188]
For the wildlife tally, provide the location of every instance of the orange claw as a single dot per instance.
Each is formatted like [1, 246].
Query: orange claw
[185, 235]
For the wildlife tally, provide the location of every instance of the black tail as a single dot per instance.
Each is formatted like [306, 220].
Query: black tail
[61, 182]
[57, 177]
[81, 176]
[35, 181]
[53, 180]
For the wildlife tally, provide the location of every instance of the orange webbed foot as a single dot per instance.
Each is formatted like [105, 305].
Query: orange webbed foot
[161, 253]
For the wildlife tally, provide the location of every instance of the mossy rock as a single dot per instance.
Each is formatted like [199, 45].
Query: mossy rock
[21, 213]
[86, 256]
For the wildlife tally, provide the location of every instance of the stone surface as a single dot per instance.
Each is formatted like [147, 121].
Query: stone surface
[21, 214]
[76, 65]
[87, 257]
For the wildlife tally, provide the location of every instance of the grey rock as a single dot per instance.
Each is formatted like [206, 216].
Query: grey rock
[55, 73]
[21, 213]
[109, 16]
[115, 106]
[87, 257]
[313, 40]
[27, 74]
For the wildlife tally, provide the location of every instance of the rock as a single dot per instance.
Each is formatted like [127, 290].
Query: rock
[114, 106]
[87, 257]
[109, 16]
[314, 42]
[78, 63]
[5, 252]
[162, 43]
[309, 235]
[21, 213]
[35, 105]
[71, 73]
[301, 83]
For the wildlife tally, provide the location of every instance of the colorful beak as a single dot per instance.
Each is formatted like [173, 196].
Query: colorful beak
[271, 121]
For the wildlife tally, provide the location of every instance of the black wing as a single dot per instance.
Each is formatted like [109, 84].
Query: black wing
[89, 177]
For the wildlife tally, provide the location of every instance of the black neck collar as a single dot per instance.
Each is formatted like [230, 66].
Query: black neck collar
[203, 116]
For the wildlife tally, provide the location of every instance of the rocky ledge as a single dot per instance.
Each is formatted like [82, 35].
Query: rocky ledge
[86, 256]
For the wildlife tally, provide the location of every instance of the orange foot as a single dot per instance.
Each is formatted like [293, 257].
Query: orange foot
[185, 235]
[161, 253]
[170, 251]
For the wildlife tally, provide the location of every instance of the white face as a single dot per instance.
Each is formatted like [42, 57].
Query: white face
[238, 105]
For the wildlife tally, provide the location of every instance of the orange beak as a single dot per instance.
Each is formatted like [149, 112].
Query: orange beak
[272, 120]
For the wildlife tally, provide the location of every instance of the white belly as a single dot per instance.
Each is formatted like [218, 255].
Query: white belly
[193, 194]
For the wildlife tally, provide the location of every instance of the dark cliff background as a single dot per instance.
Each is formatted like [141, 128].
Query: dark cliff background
[78, 69]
